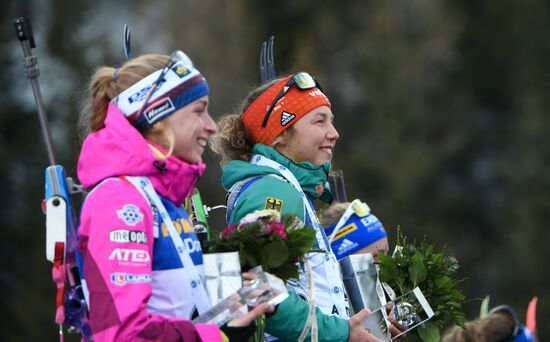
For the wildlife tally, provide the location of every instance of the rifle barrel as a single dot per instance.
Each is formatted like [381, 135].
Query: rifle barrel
[24, 34]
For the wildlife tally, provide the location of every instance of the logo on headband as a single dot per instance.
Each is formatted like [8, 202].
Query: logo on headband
[141, 94]
[286, 118]
[158, 110]
[316, 92]
[181, 71]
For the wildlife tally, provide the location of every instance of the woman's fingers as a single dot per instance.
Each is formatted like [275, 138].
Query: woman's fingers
[247, 318]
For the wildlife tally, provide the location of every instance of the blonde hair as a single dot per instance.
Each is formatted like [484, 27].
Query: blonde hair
[106, 83]
[333, 213]
[232, 142]
[495, 327]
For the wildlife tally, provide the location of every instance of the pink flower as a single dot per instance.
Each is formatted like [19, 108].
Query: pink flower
[250, 218]
[279, 229]
[228, 230]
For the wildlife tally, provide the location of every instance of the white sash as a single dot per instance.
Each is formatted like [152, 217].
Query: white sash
[198, 291]
[329, 289]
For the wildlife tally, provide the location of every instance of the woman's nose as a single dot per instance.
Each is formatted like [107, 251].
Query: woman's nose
[209, 124]
[332, 133]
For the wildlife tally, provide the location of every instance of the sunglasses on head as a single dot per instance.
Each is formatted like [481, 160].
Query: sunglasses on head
[175, 58]
[302, 81]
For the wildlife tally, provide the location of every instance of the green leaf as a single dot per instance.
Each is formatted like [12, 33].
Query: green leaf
[286, 271]
[274, 254]
[429, 332]
[417, 269]
[457, 294]
[388, 268]
[443, 282]
[301, 240]
[251, 260]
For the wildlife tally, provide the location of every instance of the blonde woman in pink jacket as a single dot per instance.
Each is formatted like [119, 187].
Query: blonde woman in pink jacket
[147, 124]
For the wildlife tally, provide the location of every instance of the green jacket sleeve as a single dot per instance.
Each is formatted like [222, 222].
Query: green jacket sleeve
[289, 320]
[268, 193]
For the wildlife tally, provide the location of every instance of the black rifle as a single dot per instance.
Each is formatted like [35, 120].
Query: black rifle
[60, 217]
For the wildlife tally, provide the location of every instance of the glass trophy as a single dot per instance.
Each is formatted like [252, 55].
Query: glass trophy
[409, 311]
[264, 288]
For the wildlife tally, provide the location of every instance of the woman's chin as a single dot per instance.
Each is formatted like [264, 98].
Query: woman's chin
[322, 161]
[189, 159]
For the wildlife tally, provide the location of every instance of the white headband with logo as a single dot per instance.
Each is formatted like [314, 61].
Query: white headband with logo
[179, 86]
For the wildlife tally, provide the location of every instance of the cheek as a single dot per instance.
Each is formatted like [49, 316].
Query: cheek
[191, 129]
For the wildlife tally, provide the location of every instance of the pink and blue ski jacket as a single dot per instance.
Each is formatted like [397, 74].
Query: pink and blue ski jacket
[137, 288]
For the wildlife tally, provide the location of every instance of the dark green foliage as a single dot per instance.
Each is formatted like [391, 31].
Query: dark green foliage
[434, 273]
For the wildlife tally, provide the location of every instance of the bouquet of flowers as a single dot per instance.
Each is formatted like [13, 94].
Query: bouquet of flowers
[414, 265]
[267, 239]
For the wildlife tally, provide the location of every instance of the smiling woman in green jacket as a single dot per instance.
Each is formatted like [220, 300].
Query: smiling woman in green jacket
[276, 154]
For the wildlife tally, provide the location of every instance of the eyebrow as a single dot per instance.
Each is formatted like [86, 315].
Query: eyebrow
[325, 115]
[202, 103]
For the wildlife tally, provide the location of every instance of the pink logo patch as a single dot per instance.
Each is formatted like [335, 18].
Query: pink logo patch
[319, 189]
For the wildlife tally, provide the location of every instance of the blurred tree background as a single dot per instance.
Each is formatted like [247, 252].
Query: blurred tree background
[442, 109]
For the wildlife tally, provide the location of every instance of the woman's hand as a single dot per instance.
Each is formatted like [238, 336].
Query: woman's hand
[246, 319]
[254, 313]
[395, 328]
[357, 331]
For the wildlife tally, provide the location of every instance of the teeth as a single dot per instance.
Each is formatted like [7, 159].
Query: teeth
[202, 142]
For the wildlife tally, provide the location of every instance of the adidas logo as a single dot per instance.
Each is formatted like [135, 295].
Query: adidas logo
[346, 246]
[286, 118]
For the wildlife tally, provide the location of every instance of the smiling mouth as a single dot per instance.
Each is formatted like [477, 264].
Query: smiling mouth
[202, 141]
[327, 149]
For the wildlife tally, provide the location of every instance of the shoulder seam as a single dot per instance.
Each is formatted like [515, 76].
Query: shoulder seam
[106, 180]
[281, 179]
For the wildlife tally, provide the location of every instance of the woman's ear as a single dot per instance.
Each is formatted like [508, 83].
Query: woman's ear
[156, 128]
[282, 140]
[155, 133]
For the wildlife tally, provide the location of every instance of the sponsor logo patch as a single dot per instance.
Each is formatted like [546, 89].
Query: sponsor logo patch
[122, 279]
[130, 257]
[159, 109]
[319, 189]
[130, 214]
[345, 231]
[316, 92]
[191, 245]
[346, 246]
[286, 118]
[126, 236]
[372, 223]
[334, 310]
[142, 93]
[273, 203]
[181, 71]
[182, 225]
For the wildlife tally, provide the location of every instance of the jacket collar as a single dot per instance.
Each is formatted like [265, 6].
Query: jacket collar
[312, 178]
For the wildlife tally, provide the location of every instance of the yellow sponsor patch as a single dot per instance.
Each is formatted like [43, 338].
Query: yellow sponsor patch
[345, 231]
[273, 203]
[180, 225]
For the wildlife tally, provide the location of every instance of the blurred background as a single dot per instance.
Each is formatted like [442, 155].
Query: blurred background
[442, 109]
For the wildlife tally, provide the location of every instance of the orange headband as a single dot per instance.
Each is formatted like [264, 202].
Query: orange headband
[289, 109]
